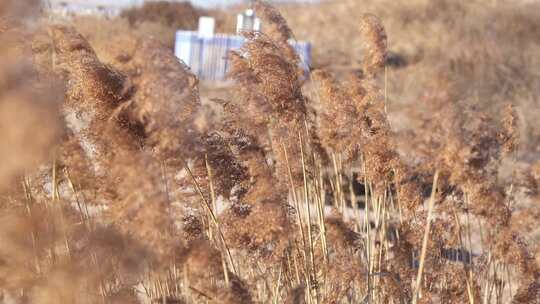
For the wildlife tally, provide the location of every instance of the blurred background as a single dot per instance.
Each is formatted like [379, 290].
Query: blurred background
[485, 53]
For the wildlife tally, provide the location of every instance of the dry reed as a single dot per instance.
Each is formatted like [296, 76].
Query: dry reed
[123, 188]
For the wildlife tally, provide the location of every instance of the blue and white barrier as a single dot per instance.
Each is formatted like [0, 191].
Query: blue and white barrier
[207, 56]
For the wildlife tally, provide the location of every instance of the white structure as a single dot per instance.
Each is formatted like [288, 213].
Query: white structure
[206, 27]
[247, 21]
[206, 53]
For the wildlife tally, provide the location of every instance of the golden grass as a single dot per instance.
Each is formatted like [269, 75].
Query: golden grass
[120, 186]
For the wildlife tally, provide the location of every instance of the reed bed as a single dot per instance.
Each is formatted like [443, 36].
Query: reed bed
[120, 186]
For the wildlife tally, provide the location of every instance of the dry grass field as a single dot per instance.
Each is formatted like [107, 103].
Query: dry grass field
[403, 168]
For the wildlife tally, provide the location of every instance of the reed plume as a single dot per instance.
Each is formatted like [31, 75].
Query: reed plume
[374, 44]
[120, 184]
